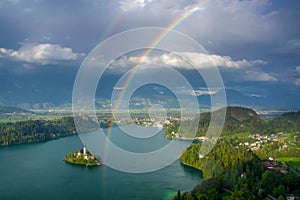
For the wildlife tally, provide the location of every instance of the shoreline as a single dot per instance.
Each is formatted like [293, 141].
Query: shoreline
[82, 164]
[190, 166]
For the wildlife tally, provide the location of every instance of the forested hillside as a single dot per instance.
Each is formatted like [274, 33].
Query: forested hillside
[35, 131]
[288, 122]
[239, 120]
[237, 173]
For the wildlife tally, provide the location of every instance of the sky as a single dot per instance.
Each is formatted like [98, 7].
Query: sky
[254, 43]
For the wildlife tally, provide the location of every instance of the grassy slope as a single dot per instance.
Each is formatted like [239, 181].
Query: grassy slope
[289, 160]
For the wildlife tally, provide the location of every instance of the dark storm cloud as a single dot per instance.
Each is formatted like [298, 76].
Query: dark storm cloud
[221, 26]
[252, 30]
[77, 23]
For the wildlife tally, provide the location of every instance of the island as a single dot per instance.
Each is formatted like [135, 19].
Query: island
[82, 157]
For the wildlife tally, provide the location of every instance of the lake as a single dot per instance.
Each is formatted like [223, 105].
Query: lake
[37, 171]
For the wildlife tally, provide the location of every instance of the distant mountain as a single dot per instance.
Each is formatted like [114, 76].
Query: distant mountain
[40, 94]
[158, 94]
[289, 121]
[5, 110]
[282, 101]
[234, 98]
[238, 98]
[153, 94]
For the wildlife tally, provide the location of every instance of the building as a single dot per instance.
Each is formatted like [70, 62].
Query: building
[86, 155]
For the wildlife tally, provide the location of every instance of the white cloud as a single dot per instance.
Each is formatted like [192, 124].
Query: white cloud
[293, 44]
[198, 92]
[245, 70]
[298, 69]
[256, 95]
[127, 5]
[27, 10]
[203, 92]
[234, 20]
[258, 76]
[204, 60]
[296, 77]
[179, 60]
[214, 20]
[9, 2]
[119, 88]
[41, 53]
[259, 62]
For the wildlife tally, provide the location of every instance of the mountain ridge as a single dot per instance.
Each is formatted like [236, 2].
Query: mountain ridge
[245, 120]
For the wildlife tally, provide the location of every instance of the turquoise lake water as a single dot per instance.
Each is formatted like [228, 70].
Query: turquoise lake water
[37, 171]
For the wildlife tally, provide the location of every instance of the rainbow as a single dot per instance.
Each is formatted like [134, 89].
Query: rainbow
[156, 41]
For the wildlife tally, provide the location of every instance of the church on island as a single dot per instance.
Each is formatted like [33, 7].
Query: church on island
[86, 154]
[82, 157]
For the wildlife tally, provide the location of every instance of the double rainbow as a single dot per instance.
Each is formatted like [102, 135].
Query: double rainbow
[154, 43]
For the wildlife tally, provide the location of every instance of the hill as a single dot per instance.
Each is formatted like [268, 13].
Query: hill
[287, 122]
[241, 120]
[238, 120]
[35, 131]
